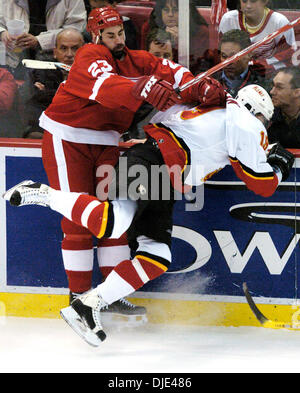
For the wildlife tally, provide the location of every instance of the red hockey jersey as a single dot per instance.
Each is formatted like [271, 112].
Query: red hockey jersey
[97, 94]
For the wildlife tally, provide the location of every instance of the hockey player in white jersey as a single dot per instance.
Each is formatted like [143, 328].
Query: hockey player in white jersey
[184, 138]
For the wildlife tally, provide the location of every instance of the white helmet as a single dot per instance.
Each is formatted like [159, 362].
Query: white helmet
[256, 99]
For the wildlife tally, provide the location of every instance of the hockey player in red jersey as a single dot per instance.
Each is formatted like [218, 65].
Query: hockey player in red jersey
[84, 122]
[190, 138]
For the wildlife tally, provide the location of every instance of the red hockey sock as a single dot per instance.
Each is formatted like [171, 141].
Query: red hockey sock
[90, 213]
[79, 282]
[111, 252]
[129, 276]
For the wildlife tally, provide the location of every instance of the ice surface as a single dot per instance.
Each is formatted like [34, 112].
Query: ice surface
[50, 345]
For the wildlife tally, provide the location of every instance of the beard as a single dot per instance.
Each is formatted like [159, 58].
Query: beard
[118, 52]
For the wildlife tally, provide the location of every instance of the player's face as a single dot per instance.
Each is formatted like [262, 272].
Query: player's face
[169, 13]
[114, 39]
[66, 48]
[235, 69]
[161, 50]
[282, 93]
[252, 8]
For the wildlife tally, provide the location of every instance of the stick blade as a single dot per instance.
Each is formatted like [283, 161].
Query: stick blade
[267, 323]
[45, 65]
[259, 315]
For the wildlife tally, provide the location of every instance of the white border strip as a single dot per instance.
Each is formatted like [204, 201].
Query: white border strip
[163, 296]
[212, 298]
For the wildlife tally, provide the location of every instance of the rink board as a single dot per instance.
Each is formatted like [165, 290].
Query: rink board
[214, 250]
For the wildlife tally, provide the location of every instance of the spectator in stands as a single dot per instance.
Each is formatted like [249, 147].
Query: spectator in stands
[242, 72]
[258, 20]
[43, 20]
[129, 27]
[44, 83]
[159, 43]
[11, 125]
[285, 123]
[165, 16]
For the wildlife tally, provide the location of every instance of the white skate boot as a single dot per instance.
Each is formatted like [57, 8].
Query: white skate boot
[121, 313]
[83, 316]
[28, 193]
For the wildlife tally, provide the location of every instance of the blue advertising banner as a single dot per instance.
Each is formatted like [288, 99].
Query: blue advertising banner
[237, 236]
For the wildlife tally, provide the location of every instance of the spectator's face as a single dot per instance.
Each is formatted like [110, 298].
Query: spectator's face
[252, 8]
[169, 13]
[114, 38]
[67, 46]
[161, 50]
[282, 93]
[235, 69]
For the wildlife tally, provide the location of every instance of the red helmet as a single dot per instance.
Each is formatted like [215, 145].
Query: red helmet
[101, 18]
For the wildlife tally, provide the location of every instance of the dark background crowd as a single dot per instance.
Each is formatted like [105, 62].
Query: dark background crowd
[53, 32]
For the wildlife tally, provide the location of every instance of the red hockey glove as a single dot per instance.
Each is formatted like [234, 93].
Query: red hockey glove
[207, 92]
[156, 91]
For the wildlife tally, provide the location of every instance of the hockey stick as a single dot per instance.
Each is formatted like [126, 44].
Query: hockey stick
[45, 65]
[264, 321]
[240, 54]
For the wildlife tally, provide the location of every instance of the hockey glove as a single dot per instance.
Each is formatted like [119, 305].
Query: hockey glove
[281, 158]
[207, 92]
[156, 92]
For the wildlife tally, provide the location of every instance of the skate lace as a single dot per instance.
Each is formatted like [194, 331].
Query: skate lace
[97, 319]
[101, 305]
[126, 302]
[29, 196]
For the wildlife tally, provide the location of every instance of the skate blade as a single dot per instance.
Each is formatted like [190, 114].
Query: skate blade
[122, 320]
[74, 321]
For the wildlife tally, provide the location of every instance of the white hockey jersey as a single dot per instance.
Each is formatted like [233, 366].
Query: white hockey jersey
[202, 141]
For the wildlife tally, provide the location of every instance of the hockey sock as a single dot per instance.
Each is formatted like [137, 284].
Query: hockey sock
[84, 210]
[129, 276]
[89, 212]
[79, 281]
[78, 257]
[110, 252]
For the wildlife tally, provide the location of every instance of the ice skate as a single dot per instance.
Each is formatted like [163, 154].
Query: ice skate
[83, 316]
[124, 311]
[120, 311]
[28, 193]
